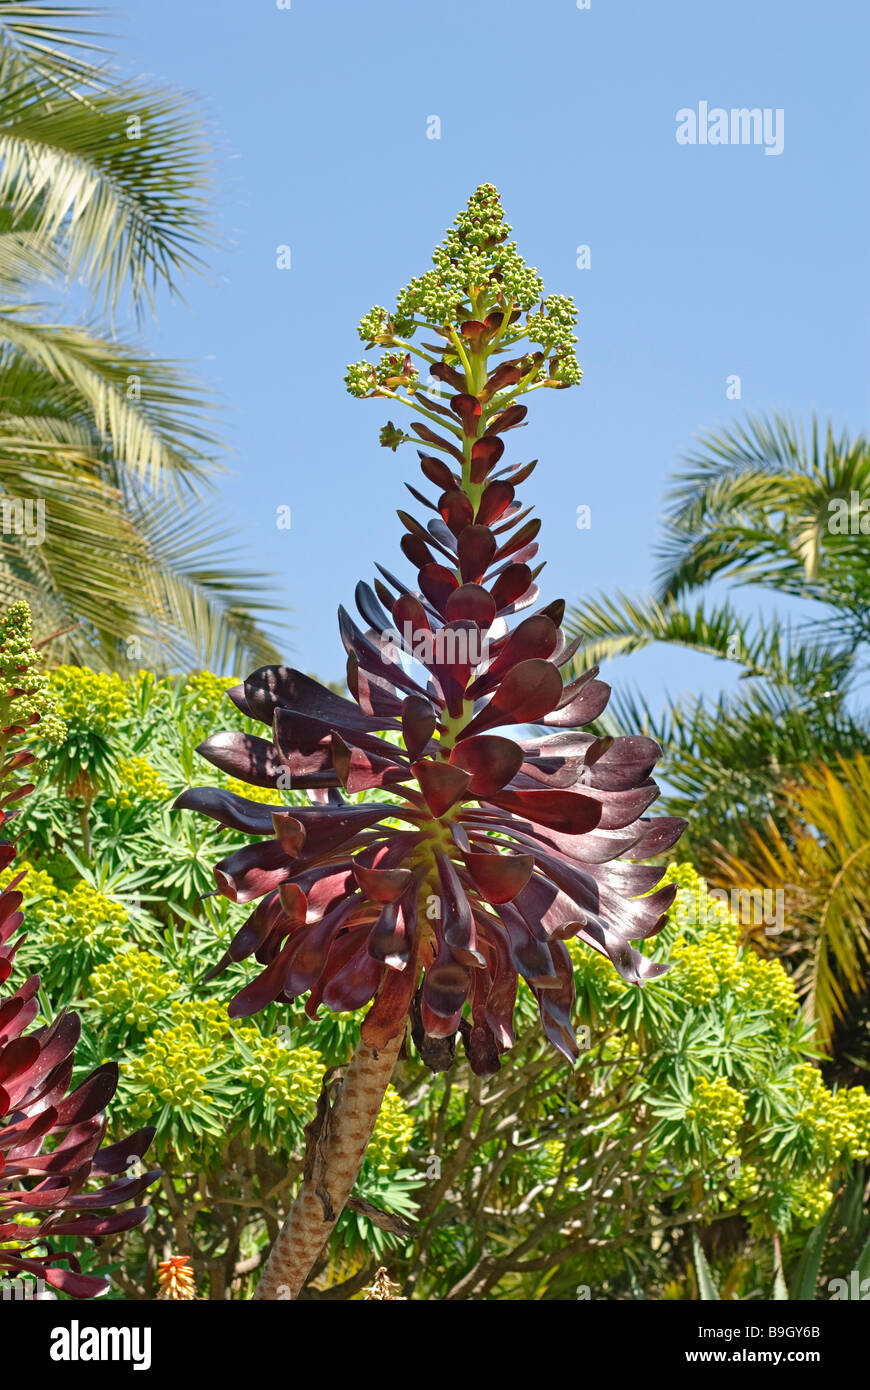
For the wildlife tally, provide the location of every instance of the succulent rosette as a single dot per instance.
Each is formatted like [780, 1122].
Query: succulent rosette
[51, 1136]
[511, 826]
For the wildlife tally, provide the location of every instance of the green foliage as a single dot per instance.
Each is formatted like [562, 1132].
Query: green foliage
[69, 933]
[696, 1102]
[725, 1063]
[820, 864]
[117, 926]
[844, 1215]
[755, 503]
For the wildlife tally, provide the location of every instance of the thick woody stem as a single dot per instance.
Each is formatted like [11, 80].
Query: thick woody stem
[329, 1180]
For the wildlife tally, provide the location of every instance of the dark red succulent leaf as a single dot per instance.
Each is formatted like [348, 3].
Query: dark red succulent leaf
[442, 785]
[537, 636]
[508, 374]
[437, 441]
[456, 917]
[442, 372]
[417, 551]
[485, 454]
[514, 581]
[525, 695]
[517, 473]
[496, 498]
[436, 533]
[382, 885]
[512, 517]
[587, 705]
[418, 724]
[437, 584]
[475, 550]
[491, 761]
[555, 611]
[369, 607]
[520, 543]
[437, 472]
[359, 771]
[373, 694]
[438, 530]
[475, 331]
[507, 419]
[244, 756]
[468, 408]
[499, 877]
[456, 510]
[472, 602]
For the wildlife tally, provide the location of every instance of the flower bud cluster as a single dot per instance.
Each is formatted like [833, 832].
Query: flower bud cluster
[21, 669]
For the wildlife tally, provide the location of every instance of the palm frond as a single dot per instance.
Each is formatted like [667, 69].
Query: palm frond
[42, 34]
[82, 555]
[107, 182]
[726, 761]
[26, 255]
[764, 648]
[154, 416]
[755, 503]
[208, 604]
[118, 174]
[821, 864]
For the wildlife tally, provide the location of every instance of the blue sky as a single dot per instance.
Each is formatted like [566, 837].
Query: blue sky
[706, 261]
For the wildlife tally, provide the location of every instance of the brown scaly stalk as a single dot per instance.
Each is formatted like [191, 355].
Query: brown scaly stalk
[334, 1162]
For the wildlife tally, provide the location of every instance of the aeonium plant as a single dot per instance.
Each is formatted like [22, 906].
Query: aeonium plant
[56, 1178]
[489, 850]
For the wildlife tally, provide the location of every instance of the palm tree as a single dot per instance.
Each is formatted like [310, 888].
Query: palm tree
[752, 506]
[773, 778]
[105, 451]
[728, 757]
[762, 504]
[821, 866]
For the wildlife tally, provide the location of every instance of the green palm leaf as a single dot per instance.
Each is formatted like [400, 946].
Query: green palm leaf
[42, 34]
[756, 503]
[106, 182]
[149, 411]
[116, 173]
[764, 649]
[821, 861]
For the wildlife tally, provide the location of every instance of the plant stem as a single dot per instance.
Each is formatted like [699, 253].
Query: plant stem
[84, 823]
[341, 1148]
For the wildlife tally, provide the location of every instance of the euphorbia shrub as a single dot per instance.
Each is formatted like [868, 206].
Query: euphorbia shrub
[126, 940]
[493, 850]
[50, 1137]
